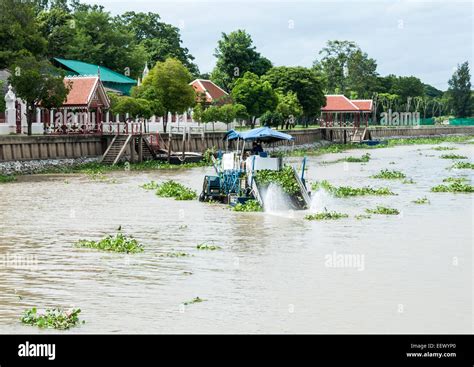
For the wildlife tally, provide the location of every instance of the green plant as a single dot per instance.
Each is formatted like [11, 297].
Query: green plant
[194, 300]
[345, 191]
[208, 155]
[326, 215]
[389, 174]
[456, 186]
[455, 179]
[364, 159]
[152, 185]
[208, 247]
[248, 206]
[463, 165]
[440, 148]
[285, 178]
[52, 318]
[176, 190]
[423, 200]
[117, 243]
[408, 181]
[453, 156]
[175, 254]
[362, 216]
[383, 210]
[7, 178]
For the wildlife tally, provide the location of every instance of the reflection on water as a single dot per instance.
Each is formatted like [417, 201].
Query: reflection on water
[270, 275]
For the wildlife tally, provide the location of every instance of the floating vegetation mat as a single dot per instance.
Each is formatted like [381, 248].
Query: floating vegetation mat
[455, 186]
[208, 247]
[408, 181]
[463, 165]
[423, 200]
[456, 179]
[326, 215]
[172, 189]
[346, 191]
[54, 318]
[7, 178]
[453, 156]
[175, 254]
[383, 210]
[362, 216]
[441, 148]
[387, 174]
[363, 159]
[194, 300]
[284, 178]
[117, 243]
[248, 206]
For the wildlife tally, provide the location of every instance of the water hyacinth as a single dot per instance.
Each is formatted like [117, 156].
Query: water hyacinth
[463, 165]
[175, 190]
[387, 174]
[194, 300]
[284, 178]
[455, 186]
[423, 200]
[52, 318]
[7, 178]
[326, 215]
[117, 243]
[248, 206]
[346, 191]
[453, 156]
[208, 247]
[383, 210]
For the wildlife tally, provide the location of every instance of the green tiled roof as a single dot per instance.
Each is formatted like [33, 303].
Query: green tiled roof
[84, 68]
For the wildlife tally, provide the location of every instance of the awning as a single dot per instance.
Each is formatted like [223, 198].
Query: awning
[264, 134]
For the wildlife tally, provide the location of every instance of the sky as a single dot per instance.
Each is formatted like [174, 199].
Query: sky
[424, 38]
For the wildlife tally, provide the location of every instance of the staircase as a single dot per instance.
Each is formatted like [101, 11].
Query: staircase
[116, 149]
[358, 135]
[147, 151]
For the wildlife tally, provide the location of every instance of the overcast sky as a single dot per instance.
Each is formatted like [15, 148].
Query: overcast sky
[422, 38]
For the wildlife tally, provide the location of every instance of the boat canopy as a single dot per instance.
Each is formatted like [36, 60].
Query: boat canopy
[264, 134]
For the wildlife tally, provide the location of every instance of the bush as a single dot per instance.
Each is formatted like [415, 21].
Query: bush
[175, 190]
[117, 243]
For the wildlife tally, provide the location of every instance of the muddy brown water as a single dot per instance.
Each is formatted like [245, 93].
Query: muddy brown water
[276, 272]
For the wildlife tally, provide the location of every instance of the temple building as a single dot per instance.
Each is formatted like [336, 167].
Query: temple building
[341, 111]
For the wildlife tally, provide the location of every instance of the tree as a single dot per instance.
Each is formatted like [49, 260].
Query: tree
[361, 74]
[272, 119]
[19, 32]
[459, 91]
[197, 112]
[58, 27]
[168, 83]
[134, 107]
[160, 40]
[408, 86]
[227, 114]
[289, 108]
[211, 114]
[304, 82]
[2, 100]
[38, 82]
[236, 55]
[256, 94]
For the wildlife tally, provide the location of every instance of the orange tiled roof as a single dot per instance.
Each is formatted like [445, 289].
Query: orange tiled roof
[212, 91]
[81, 90]
[340, 103]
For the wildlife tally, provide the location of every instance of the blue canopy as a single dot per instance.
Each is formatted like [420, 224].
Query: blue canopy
[264, 134]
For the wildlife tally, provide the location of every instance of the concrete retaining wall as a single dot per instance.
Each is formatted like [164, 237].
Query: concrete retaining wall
[385, 132]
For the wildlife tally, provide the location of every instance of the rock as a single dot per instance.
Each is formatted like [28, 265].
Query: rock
[40, 165]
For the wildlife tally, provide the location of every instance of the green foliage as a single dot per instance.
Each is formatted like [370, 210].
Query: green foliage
[137, 107]
[364, 159]
[175, 190]
[255, 94]
[284, 178]
[175, 254]
[463, 165]
[453, 156]
[7, 178]
[445, 148]
[117, 243]
[326, 215]
[248, 206]
[383, 210]
[194, 300]
[54, 318]
[289, 108]
[423, 200]
[208, 155]
[408, 181]
[208, 247]
[237, 55]
[362, 216]
[346, 191]
[459, 91]
[455, 186]
[272, 119]
[455, 179]
[152, 185]
[389, 174]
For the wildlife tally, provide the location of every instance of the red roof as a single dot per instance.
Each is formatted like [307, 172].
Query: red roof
[84, 91]
[340, 103]
[212, 91]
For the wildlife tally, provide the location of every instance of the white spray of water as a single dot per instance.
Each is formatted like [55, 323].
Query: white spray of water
[276, 200]
[319, 200]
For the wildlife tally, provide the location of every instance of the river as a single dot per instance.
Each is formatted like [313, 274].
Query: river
[275, 272]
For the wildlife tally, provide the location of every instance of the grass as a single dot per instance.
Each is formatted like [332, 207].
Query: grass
[194, 300]
[248, 206]
[463, 165]
[383, 210]
[346, 191]
[456, 179]
[444, 148]
[117, 243]
[326, 215]
[455, 186]
[208, 247]
[453, 156]
[7, 178]
[284, 178]
[387, 174]
[54, 318]
[423, 200]
[175, 190]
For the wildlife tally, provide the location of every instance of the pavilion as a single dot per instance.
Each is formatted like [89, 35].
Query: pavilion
[341, 111]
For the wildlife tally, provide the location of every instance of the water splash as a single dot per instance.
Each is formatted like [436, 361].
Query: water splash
[320, 200]
[276, 200]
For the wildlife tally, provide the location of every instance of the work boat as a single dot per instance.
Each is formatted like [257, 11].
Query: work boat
[241, 176]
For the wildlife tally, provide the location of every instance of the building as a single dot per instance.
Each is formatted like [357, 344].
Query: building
[112, 81]
[341, 111]
[209, 92]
